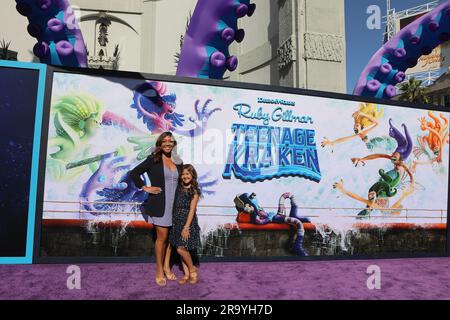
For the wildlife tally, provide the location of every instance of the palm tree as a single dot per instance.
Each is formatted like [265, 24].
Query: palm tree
[413, 91]
[177, 55]
[4, 46]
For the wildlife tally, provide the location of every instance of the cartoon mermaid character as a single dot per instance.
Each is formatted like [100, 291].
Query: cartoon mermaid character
[435, 141]
[365, 121]
[389, 182]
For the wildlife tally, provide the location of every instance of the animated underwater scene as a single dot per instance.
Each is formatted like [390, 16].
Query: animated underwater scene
[281, 174]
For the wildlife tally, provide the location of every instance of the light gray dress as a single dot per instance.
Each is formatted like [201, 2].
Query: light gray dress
[170, 186]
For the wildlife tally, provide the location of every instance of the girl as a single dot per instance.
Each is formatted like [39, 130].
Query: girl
[185, 232]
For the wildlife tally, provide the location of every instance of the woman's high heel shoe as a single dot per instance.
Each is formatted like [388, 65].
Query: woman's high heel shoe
[183, 280]
[193, 277]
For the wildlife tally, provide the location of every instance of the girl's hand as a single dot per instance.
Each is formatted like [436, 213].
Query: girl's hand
[152, 190]
[185, 234]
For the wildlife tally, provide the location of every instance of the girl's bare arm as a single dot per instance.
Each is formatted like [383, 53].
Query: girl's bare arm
[192, 209]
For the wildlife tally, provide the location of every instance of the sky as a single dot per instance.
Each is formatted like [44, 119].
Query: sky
[362, 43]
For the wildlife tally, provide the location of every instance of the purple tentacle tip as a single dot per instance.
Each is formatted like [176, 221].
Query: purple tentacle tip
[241, 10]
[218, 59]
[228, 34]
[403, 51]
[240, 34]
[373, 85]
[433, 25]
[24, 8]
[400, 76]
[251, 9]
[414, 40]
[390, 91]
[44, 4]
[400, 53]
[34, 30]
[64, 48]
[40, 49]
[232, 63]
[386, 68]
[55, 25]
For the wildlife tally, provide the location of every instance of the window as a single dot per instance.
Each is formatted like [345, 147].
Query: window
[447, 100]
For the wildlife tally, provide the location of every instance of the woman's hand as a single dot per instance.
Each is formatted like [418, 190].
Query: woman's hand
[152, 190]
[185, 233]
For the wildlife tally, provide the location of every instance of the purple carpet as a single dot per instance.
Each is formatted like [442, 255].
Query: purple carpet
[400, 279]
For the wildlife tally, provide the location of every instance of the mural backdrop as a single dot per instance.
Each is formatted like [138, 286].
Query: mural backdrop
[281, 174]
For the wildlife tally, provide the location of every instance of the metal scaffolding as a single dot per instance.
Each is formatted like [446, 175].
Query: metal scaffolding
[392, 16]
[392, 26]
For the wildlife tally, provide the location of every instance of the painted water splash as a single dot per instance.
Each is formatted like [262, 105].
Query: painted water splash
[215, 235]
[334, 239]
[98, 233]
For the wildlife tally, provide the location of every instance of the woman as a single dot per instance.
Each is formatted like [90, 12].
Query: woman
[163, 173]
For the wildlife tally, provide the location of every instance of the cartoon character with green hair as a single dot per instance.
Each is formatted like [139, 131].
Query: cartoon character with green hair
[77, 118]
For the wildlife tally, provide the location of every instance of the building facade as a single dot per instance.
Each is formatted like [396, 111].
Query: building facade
[294, 43]
[439, 91]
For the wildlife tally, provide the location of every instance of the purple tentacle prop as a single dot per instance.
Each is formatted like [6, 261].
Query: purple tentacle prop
[387, 67]
[54, 25]
[213, 28]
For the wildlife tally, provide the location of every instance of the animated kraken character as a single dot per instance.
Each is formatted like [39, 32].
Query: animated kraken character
[157, 110]
[110, 189]
[366, 119]
[249, 203]
[435, 141]
[389, 182]
[76, 119]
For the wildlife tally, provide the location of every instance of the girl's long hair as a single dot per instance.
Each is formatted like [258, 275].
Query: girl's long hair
[195, 186]
[157, 153]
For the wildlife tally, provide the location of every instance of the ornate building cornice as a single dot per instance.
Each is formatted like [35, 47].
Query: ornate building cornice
[287, 52]
[326, 47]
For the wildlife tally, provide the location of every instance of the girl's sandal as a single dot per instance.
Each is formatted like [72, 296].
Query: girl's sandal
[193, 277]
[183, 280]
[170, 276]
